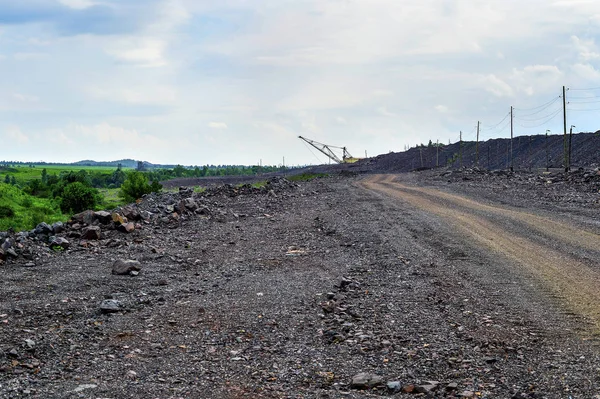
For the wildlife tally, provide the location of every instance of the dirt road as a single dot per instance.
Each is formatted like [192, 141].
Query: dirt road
[565, 258]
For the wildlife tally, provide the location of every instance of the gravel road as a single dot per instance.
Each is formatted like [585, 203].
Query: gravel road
[354, 287]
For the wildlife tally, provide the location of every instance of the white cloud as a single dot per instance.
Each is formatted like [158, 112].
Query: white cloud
[441, 109]
[383, 111]
[341, 120]
[14, 134]
[496, 86]
[77, 4]
[587, 72]
[139, 51]
[217, 125]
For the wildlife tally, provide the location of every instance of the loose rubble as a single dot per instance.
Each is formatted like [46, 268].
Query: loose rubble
[288, 291]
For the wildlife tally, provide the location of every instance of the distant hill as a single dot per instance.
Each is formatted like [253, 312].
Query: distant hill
[125, 163]
[528, 152]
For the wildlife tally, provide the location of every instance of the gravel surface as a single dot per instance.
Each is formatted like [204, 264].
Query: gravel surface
[326, 289]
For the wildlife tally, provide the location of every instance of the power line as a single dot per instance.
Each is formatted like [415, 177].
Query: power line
[536, 118]
[539, 106]
[497, 124]
[550, 117]
[590, 89]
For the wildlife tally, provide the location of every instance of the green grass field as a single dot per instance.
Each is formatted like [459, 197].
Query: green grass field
[111, 198]
[20, 211]
[24, 173]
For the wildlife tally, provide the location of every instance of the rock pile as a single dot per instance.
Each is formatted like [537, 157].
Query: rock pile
[97, 228]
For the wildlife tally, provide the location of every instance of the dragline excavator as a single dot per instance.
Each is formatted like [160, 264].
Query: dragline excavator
[326, 149]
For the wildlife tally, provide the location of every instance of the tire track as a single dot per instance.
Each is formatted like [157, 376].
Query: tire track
[574, 282]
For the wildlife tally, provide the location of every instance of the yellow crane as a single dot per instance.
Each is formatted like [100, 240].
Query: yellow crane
[326, 149]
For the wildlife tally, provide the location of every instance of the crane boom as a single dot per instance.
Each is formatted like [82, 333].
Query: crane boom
[326, 149]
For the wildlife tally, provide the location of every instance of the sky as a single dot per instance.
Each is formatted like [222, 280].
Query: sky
[197, 82]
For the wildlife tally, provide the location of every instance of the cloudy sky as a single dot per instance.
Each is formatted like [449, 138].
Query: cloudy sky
[236, 81]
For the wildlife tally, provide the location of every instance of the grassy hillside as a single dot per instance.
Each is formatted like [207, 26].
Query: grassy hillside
[24, 173]
[23, 212]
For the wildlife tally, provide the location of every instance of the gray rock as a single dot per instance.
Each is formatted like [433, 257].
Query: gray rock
[427, 388]
[85, 217]
[91, 233]
[83, 387]
[110, 306]
[124, 267]
[29, 344]
[103, 217]
[12, 253]
[190, 204]
[59, 242]
[58, 227]
[43, 229]
[366, 381]
[394, 386]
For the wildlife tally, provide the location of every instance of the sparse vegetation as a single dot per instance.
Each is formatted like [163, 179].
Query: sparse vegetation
[307, 176]
[136, 185]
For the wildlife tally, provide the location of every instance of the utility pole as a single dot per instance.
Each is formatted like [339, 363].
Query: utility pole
[437, 153]
[511, 138]
[565, 129]
[547, 156]
[570, 148]
[529, 154]
[460, 149]
[477, 146]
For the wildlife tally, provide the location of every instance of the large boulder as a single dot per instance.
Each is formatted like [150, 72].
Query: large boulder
[59, 242]
[91, 233]
[43, 229]
[190, 204]
[85, 217]
[131, 213]
[126, 227]
[58, 227]
[103, 217]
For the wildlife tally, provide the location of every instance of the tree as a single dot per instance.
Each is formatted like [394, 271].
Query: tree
[44, 176]
[7, 179]
[13, 181]
[77, 197]
[135, 186]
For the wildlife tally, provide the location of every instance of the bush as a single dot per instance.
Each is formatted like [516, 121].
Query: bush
[135, 186]
[6, 211]
[78, 197]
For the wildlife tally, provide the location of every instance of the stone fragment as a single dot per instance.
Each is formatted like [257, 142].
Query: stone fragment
[91, 233]
[103, 217]
[131, 213]
[427, 388]
[394, 386]
[85, 217]
[43, 229]
[190, 204]
[118, 219]
[59, 242]
[126, 227]
[58, 227]
[123, 267]
[366, 381]
[110, 306]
